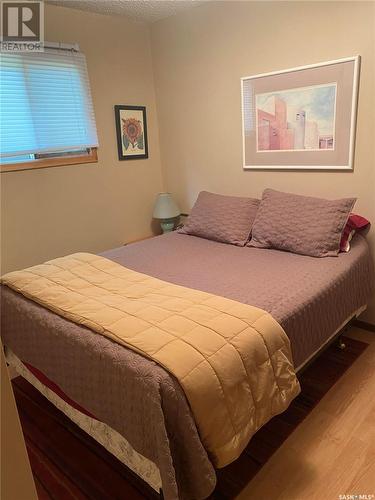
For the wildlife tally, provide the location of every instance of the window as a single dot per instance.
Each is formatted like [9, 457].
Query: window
[46, 111]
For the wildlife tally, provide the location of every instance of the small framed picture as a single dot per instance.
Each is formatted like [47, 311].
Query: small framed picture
[131, 129]
[301, 118]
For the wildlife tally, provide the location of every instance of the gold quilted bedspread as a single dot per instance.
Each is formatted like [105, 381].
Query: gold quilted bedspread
[232, 360]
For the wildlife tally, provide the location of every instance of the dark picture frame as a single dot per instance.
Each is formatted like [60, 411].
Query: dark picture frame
[131, 131]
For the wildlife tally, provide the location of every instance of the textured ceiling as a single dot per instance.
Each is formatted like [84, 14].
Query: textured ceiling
[142, 10]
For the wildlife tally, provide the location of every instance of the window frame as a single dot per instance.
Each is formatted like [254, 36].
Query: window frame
[91, 156]
[58, 158]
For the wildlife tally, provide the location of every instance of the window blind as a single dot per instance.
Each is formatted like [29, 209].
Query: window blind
[45, 103]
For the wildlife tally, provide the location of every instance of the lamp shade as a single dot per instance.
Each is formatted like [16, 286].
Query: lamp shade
[165, 207]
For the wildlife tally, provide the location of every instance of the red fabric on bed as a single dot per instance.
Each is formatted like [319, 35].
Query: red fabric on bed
[355, 223]
[56, 389]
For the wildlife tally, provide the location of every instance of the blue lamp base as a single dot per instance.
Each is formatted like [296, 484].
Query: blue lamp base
[167, 225]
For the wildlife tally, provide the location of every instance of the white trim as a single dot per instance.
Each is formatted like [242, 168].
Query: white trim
[110, 439]
[243, 128]
[298, 167]
[61, 46]
[353, 119]
[300, 68]
[353, 122]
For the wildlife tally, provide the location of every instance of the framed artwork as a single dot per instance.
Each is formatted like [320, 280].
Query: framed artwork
[301, 118]
[131, 129]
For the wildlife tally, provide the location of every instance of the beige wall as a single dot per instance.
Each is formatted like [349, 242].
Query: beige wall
[199, 58]
[55, 211]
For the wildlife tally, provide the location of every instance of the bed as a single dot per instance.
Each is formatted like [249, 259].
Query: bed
[135, 407]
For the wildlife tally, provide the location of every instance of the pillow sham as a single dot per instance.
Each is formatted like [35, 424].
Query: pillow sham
[300, 224]
[217, 217]
[355, 224]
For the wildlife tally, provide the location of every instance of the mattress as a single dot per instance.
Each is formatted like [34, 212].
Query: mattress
[309, 297]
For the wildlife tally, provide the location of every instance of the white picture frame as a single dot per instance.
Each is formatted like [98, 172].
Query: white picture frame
[323, 95]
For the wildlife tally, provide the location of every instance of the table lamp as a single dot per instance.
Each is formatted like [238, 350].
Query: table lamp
[166, 210]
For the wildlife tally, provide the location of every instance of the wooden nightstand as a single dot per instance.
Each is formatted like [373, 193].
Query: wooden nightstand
[140, 239]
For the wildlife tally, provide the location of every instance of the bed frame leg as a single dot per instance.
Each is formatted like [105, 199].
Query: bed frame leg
[340, 344]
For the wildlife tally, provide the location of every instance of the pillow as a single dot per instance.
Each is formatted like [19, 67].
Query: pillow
[221, 218]
[355, 224]
[300, 224]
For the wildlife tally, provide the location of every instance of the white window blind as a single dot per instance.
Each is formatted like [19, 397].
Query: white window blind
[45, 104]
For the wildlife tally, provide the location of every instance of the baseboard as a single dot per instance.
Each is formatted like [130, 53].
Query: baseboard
[364, 325]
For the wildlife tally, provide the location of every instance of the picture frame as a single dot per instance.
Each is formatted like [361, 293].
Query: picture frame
[301, 118]
[131, 131]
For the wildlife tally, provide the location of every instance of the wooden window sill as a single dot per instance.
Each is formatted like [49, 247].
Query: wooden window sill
[91, 157]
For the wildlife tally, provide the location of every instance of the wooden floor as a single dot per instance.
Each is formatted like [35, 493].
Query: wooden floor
[67, 464]
[332, 452]
[323, 446]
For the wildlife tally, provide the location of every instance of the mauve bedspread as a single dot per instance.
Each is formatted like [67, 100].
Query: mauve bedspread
[309, 297]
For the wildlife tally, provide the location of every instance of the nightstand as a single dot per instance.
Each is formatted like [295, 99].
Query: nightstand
[140, 239]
